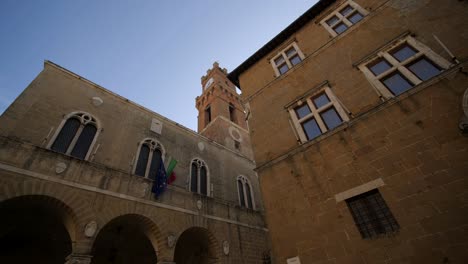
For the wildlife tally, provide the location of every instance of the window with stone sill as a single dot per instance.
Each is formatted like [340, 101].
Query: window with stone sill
[149, 157]
[372, 215]
[317, 114]
[345, 16]
[402, 66]
[286, 59]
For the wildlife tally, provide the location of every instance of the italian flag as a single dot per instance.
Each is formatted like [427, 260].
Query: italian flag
[170, 171]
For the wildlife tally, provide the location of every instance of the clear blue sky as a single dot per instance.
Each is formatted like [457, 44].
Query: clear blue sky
[152, 52]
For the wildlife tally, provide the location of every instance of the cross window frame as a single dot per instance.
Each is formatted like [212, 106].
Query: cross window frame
[422, 52]
[343, 19]
[315, 113]
[287, 59]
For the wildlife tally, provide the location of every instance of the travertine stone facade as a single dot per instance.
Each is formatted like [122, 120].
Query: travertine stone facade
[409, 147]
[97, 198]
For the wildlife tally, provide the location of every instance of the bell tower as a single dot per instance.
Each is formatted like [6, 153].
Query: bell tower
[221, 114]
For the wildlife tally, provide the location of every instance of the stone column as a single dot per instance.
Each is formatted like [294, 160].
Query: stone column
[78, 259]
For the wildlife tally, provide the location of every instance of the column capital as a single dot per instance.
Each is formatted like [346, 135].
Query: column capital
[78, 259]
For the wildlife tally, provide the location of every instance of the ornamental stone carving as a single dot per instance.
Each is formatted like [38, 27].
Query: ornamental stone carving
[78, 259]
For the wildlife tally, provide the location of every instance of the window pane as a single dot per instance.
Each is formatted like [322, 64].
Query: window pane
[84, 141]
[346, 10]
[402, 53]
[290, 52]
[203, 181]
[379, 67]
[295, 60]
[194, 178]
[356, 17]
[283, 68]
[332, 20]
[240, 188]
[311, 129]
[397, 83]
[320, 100]
[155, 163]
[66, 135]
[279, 60]
[249, 195]
[302, 111]
[424, 69]
[142, 160]
[331, 118]
[340, 28]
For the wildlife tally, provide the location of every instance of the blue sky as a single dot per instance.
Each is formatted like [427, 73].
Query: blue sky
[152, 52]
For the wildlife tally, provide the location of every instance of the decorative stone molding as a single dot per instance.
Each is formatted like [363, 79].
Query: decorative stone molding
[199, 204]
[90, 229]
[226, 247]
[171, 241]
[60, 167]
[78, 259]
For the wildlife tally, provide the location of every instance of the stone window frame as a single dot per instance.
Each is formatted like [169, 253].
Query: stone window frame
[396, 66]
[244, 180]
[343, 19]
[153, 145]
[287, 61]
[371, 214]
[84, 118]
[200, 162]
[315, 113]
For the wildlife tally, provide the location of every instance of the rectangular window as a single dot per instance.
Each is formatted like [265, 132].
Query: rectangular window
[286, 59]
[207, 115]
[318, 114]
[406, 63]
[343, 17]
[372, 215]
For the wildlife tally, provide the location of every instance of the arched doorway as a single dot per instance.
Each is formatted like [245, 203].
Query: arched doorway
[126, 239]
[35, 229]
[196, 245]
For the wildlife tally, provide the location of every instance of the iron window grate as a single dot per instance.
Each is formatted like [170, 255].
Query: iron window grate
[372, 215]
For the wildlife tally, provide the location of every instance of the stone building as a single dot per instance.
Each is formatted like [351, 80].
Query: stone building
[358, 120]
[77, 165]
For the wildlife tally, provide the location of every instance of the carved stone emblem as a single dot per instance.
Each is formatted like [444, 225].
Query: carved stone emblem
[60, 167]
[199, 204]
[171, 240]
[97, 101]
[225, 247]
[201, 146]
[90, 229]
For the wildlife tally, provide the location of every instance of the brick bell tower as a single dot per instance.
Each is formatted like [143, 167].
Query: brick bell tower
[221, 115]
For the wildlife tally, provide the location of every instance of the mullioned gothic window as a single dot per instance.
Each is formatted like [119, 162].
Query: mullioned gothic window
[149, 158]
[199, 178]
[245, 192]
[76, 135]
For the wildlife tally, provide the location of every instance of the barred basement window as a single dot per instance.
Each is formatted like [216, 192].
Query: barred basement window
[245, 193]
[149, 158]
[344, 17]
[76, 135]
[318, 114]
[286, 59]
[398, 68]
[372, 215]
[199, 177]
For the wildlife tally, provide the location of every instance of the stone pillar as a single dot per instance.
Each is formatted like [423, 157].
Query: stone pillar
[78, 259]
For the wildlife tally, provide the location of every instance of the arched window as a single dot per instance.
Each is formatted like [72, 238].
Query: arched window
[245, 192]
[77, 135]
[149, 158]
[199, 177]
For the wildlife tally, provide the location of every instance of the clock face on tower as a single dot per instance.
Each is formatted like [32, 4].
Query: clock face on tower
[208, 83]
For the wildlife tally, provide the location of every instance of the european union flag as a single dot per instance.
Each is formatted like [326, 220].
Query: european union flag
[160, 182]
